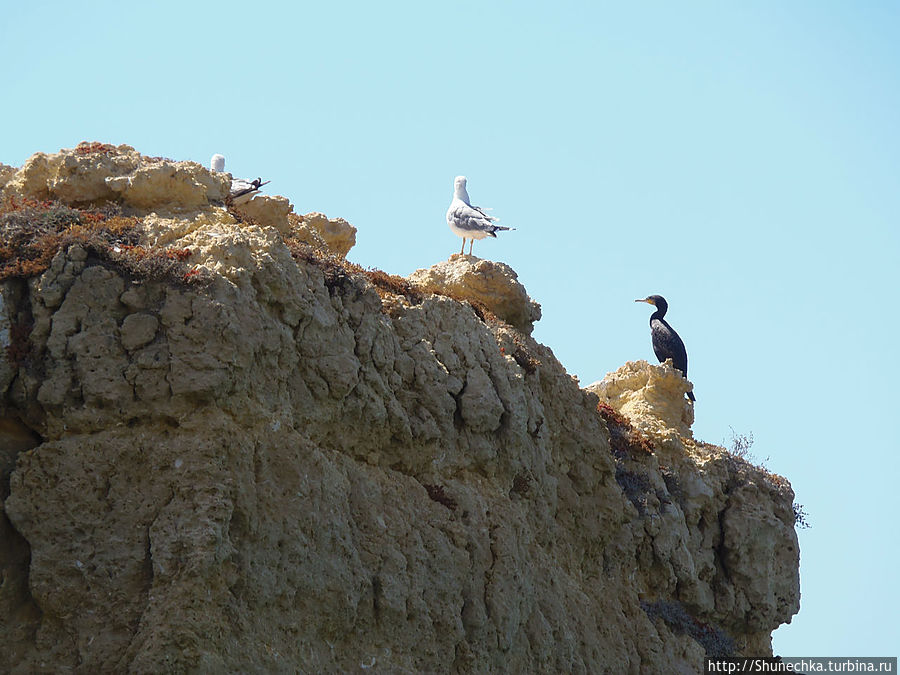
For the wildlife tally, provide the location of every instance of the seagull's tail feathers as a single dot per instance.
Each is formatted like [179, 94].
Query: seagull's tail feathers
[498, 228]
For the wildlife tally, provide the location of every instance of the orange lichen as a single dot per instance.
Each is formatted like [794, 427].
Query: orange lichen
[86, 148]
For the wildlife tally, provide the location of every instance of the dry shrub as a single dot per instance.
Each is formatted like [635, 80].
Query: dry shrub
[19, 346]
[339, 272]
[636, 486]
[439, 495]
[32, 232]
[157, 264]
[715, 641]
[624, 439]
[800, 516]
[521, 484]
[393, 284]
[523, 357]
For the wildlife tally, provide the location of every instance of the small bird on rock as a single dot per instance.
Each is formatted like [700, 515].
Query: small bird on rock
[242, 191]
[666, 342]
[467, 221]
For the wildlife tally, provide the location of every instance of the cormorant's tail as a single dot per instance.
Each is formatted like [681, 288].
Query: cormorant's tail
[691, 396]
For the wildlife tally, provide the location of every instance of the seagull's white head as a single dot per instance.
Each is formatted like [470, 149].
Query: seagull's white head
[459, 188]
[217, 163]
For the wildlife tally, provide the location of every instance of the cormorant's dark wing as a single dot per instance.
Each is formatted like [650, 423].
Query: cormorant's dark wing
[668, 345]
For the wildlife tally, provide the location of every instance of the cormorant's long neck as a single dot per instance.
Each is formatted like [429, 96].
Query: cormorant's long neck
[659, 313]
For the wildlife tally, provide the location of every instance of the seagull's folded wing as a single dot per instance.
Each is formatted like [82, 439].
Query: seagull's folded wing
[470, 218]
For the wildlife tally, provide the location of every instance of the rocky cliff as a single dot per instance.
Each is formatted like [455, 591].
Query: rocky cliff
[224, 448]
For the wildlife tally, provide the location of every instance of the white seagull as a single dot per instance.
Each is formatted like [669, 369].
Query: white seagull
[242, 191]
[467, 221]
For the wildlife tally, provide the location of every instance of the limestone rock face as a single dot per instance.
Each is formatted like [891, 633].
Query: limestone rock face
[653, 397]
[73, 176]
[94, 173]
[492, 284]
[174, 198]
[185, 185]
[7, 370]
[6, 174]
[285, 471]
[752, 509]
[268, 210]
[337, 233]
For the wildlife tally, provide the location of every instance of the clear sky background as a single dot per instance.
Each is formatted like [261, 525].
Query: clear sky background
[743, 160]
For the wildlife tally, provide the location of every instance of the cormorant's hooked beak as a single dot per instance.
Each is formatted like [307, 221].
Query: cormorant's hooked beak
[649, 301]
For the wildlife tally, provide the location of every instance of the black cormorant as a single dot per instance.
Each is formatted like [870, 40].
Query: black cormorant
[666, 343]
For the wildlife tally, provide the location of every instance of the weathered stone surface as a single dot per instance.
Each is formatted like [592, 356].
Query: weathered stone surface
[653, 397]
[269, 211]
[493, 284]
[279, 472]
[6, 174]
[95, 173]
[137, 330]
[73, 176]
[337, 233]
[479, 405]
[724, 503]
[168, 184]
[7, 371]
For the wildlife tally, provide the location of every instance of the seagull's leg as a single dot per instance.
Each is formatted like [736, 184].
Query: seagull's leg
[463, 246]
[471, 244]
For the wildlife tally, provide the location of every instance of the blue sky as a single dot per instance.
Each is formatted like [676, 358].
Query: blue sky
[743, 161]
